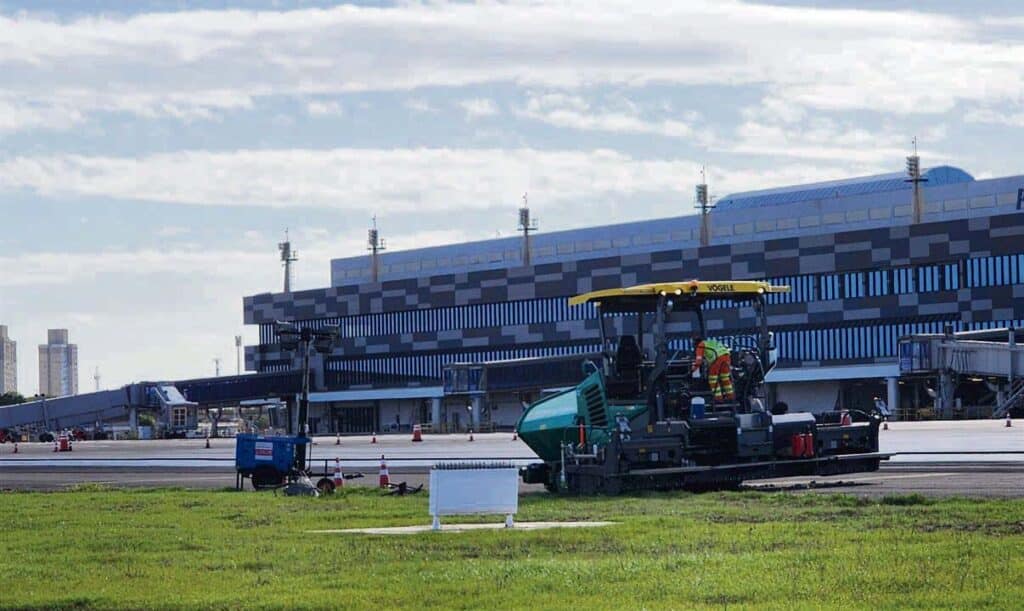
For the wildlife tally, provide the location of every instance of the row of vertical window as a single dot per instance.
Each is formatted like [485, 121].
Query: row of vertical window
[829, 344]
[967, 273]
[431, 365]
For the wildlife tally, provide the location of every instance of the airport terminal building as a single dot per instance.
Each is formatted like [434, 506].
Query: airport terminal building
[439, 337]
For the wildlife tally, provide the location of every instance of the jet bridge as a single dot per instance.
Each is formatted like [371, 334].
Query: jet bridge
[992, 360]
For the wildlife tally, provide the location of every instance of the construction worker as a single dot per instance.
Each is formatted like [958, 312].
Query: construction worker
[719, 366]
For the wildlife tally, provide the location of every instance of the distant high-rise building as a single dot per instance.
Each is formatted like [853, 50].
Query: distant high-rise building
[58, 365]
[8, 362]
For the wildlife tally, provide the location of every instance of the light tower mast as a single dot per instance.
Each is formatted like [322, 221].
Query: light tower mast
[526, 225]
[96, 378]
[705, 207]
[238, 355]
[288, 256]
[216, 366]
[375, 244]
[914, 177]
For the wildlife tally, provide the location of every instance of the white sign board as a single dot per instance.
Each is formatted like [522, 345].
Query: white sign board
[264, 450]
[461, 491]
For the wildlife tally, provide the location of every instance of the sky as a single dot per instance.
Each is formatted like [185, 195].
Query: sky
[153, 153]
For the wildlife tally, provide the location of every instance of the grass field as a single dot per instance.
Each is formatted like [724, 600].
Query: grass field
[193, 549]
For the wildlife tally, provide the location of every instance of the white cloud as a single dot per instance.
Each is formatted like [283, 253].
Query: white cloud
[574, 112]
[993, 116]
[397, 181]
[419, 105]
[391, 180]
[476, 108]
[171, 231]
[324, 108]
[196, 64]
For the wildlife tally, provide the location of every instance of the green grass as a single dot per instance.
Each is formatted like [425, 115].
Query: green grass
[193, 549]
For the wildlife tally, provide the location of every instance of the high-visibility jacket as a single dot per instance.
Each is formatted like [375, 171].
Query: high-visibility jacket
[710, 350]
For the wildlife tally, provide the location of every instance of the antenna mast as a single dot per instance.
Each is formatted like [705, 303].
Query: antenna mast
[526, 225]
[375, 244]
[238, 355]
[96, 377]
[216, 366]
[705, 206]
[914, 177]
[288, 256]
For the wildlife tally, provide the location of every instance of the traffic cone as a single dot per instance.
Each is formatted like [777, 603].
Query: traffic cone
[885, 424]
[417, 433]
[374, 438]
[55, 445]
[384, 478]
[339, 479]
[337, 440]
[515, 435]
[471, 434]
[207, 443]
[15, 447]
[1009, 423]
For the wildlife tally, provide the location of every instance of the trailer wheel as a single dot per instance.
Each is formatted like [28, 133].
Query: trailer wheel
[265, 477]
[325, 485]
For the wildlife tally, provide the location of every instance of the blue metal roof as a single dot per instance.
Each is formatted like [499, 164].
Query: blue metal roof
[937, 176]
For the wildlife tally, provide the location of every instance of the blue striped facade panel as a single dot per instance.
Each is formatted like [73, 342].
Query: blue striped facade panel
[864, 285]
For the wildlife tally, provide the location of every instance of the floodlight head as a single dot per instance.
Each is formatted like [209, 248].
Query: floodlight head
[325, 339]
[288, 336]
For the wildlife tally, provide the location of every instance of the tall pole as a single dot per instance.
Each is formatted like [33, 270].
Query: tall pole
[216, 366]
[374, 244]
[288, 256]
[238, 355]
[526, 225]
[303, 419]
[705, 207]
[914, 177]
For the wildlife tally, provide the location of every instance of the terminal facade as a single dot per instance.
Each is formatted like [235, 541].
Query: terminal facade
[446, 336]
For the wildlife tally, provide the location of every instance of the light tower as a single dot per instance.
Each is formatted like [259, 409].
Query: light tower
[526, 225]
[705, 207]
[375, 244]
[914, 177]
[288, 256]
[96, 378]
[216, 366]
[238, 355]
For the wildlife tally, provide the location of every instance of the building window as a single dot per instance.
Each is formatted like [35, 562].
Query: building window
[903, 280]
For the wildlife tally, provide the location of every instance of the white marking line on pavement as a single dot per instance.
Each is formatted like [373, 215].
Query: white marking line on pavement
[145, 480]
[854, 478]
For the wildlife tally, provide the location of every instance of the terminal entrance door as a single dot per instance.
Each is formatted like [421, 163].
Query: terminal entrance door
[355, 419]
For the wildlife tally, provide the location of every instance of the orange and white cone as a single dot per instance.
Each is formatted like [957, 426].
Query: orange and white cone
[15, 447]
[385, 479]
[1009, 422]
[339, 479]
[207, 442]
[55, 446]
[471, 434]
[417, 433]
[337, 440]
[374, 438]
[515, 435]
[885, 424]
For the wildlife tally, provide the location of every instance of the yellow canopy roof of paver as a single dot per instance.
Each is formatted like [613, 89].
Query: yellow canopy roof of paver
[710, 289]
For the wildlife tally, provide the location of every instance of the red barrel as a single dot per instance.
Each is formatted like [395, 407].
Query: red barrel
[797, 442]
[808, 445]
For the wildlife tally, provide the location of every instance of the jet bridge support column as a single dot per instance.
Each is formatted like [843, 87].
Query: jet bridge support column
[892, 398]
[435, 413]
